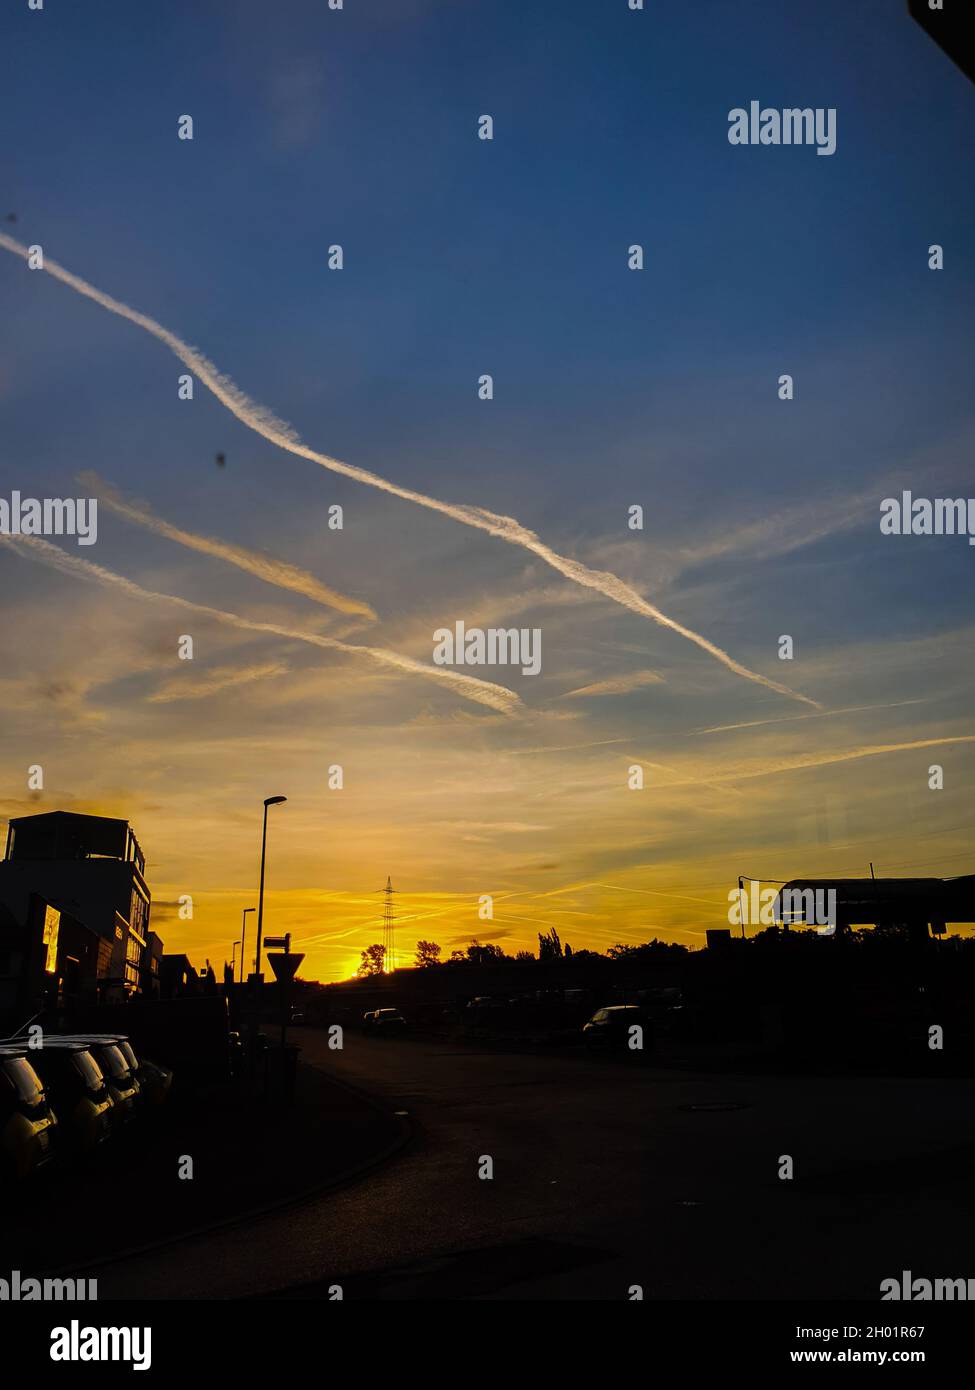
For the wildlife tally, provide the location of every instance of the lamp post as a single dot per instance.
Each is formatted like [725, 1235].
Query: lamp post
[233, 960]
[270, 801]
[243, 934]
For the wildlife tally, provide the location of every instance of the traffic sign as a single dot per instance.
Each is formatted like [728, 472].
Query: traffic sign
[285, 966]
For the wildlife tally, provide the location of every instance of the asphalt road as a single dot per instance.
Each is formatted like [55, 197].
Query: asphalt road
[606, 1176]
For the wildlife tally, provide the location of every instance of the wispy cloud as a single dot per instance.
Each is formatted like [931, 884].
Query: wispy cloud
[786, 529]
[223, 678]
[617, 685]
[277, 572]
[482, 692]
[506, 528]
[794, 526]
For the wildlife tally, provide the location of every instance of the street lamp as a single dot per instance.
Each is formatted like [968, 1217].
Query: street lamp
[271, 801]
[233, 960]
[243, 934]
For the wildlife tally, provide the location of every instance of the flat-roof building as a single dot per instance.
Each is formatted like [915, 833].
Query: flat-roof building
[92, 868]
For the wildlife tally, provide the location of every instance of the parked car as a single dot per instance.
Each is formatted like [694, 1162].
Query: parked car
[665, 1009]
[384, 1021]
[75, 1085]
[610, 1027]
[28, 1125]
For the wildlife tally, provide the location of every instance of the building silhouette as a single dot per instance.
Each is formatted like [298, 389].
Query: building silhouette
[76, 906]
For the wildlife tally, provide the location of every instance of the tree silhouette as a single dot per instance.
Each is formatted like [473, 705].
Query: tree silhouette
[427, 953]
[479, 954]
[549, 945]
[373, 960]
[647, 950]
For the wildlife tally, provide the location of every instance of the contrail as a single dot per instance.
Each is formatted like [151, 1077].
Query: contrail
[687, 779]
[272, 571]
[811, 760]
[506, 528]
[561, 747]
[219, 680]
[645, 892]
[617, 685]
[482, 692]
[791, 718]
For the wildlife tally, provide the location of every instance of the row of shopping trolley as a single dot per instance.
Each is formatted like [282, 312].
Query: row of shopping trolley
[62, 1095]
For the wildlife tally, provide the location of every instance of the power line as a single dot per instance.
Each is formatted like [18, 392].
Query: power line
[389, 928]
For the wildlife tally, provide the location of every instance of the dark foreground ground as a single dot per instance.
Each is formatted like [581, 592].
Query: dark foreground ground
[247, 1153]
[605, 1176]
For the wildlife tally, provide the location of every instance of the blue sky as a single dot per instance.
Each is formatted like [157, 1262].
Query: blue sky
[612, 387]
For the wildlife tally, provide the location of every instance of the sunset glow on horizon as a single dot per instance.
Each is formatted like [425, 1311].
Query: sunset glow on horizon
[313, 563]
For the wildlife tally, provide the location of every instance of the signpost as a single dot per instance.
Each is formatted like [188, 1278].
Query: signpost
[285, 965]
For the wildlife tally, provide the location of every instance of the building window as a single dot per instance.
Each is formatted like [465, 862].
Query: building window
[138, 913]
[104, 959]
[52, 925]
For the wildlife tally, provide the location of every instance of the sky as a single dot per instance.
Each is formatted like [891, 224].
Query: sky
[612, 388]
